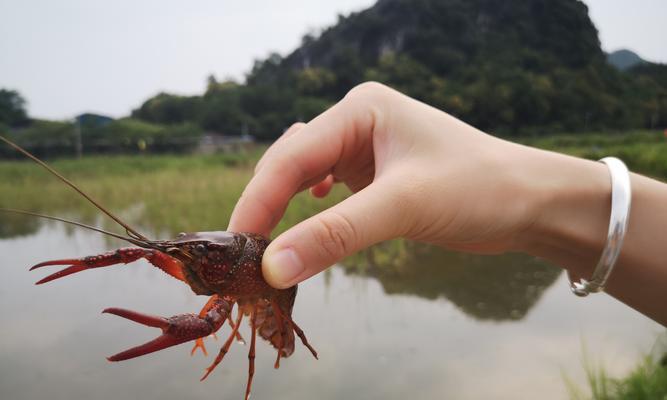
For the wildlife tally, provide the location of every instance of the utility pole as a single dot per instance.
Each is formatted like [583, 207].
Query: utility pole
[244, 129]
[77, 136]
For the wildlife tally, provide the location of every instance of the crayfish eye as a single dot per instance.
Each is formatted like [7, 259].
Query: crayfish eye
[200, 249]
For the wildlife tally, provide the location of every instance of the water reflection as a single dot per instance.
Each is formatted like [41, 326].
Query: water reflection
[499, 288]
[13, 225]
[427, 339]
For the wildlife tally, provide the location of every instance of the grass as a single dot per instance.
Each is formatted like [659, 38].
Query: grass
[647, 381]
[167, 193]
[173, 193]
[643, 151]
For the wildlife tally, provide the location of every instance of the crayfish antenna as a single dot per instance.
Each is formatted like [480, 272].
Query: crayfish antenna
[79, 224]
[130, 231]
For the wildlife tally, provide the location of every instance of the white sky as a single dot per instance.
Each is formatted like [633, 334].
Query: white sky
[70, 56]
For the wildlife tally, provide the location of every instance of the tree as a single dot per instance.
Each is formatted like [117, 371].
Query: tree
[221, 109]
[167, 108]
[12, 109]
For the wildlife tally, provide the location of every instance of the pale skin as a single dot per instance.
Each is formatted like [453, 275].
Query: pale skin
[421, 174]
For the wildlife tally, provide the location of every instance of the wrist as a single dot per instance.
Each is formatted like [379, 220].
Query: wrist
[569, 216]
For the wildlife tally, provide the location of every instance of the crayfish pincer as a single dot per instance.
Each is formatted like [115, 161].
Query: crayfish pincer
[227, 266]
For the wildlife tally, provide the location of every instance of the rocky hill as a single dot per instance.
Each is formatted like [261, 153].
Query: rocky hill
[521, 66]
[624, 59]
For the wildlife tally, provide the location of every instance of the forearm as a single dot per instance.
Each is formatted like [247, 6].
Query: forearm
[573, 204]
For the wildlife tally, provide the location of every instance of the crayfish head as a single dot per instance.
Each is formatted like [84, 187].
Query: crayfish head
[210, 256]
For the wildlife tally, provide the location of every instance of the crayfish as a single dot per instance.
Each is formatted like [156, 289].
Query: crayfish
[227, 266]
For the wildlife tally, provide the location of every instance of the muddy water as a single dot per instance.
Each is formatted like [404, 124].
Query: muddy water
[434, 325]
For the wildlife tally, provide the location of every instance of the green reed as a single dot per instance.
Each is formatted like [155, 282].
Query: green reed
[173, 193]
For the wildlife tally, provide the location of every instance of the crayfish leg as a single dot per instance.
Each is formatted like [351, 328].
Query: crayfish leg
[225, 347]
[295, 327]
[232, 324]
[199, 343]
[251, 353]
[283, 332]
[302, 336]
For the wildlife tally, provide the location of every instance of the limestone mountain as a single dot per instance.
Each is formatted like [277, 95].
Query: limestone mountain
[624, 59]
[521, 66]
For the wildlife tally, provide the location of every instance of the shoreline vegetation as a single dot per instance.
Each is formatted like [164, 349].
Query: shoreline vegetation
[646, 381]
[197, 192]
[520, 68]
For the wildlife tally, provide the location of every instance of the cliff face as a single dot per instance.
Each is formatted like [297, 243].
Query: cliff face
[447, 35]
[508, 66]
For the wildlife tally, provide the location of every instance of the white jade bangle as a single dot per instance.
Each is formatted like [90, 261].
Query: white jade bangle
[621, 196]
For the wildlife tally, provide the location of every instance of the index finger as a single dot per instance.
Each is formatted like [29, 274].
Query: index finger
[322, 144]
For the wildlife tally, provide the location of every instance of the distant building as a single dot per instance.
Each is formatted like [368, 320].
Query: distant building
[212, 142]
[93, 120]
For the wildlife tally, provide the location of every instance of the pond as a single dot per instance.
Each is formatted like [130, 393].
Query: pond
[427, 325]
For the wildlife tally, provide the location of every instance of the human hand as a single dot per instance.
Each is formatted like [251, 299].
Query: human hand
[416, 172]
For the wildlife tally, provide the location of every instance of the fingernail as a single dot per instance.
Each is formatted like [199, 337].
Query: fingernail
[284, 266]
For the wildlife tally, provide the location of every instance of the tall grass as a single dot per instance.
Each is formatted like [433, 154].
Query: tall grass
[647, 381]
[173, 193]
[643, 151]
[169, 194]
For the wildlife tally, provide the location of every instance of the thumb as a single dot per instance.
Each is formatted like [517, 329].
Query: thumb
[365, 218]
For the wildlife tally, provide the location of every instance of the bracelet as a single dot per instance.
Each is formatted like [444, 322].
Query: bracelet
[621, 196]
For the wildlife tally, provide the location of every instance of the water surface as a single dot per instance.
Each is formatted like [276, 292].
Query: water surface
[433, 325]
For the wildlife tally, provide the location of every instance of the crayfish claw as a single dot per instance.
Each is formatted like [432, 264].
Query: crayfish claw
[67, 271]
[144, 319]
[72, 261]
[159, 343]
[175, 330]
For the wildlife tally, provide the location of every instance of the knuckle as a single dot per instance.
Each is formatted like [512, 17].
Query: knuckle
[336, 235]
[366, 89]
[261, 162]
[368, 101]
[295, 126]
[275, 147]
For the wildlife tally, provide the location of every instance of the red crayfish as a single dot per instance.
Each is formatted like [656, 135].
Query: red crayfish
[223, 265]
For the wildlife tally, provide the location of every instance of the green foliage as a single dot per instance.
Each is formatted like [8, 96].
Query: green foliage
[168, 109]
[315, 81]
[43, 138]
[201, 192]
[170, 193]
[648, 381]
[643, 151]
[512, 68]
[521, 67]
[12, 109]
[307, 108]
[404, 74]
[221, 109]
[129, 135]
[525, 67]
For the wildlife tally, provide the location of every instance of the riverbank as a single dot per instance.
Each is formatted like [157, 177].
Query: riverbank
[174, 193]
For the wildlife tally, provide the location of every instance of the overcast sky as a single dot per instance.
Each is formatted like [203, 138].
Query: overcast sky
[70, 56]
